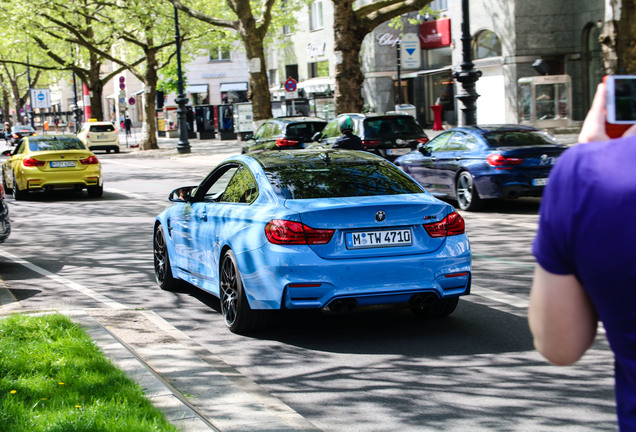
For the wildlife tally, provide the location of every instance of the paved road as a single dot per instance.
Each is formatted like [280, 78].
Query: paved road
[365, 372]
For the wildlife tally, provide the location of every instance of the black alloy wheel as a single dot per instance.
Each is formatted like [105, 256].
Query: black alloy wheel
[238, 315]
[7, 189]
[18, 194]
[163, 272]
[466, 193]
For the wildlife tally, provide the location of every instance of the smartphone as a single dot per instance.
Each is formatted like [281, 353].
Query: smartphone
[621, 99]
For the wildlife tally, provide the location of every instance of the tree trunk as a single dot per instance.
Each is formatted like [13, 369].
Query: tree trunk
[625, 46]
[149, 128]
[348, 43]
[261, 99]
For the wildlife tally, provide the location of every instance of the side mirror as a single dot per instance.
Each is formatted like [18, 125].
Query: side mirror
[425, 149]
[182, 194]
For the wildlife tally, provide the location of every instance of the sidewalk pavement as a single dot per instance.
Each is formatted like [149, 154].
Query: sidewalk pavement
[197, 391]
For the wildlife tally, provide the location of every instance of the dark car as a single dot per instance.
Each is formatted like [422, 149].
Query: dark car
[5, 222]
[284, 133]
[19, 131]
[388, 135]
[473, 163]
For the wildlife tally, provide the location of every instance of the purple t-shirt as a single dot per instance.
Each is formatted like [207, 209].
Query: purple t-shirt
[587, 228]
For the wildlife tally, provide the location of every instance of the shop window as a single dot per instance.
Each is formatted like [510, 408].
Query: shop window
[315, 15]
[220, 54]
[439, 5]
[486, 44]
[318, 69]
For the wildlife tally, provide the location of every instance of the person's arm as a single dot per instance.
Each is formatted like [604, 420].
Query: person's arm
[562, 318]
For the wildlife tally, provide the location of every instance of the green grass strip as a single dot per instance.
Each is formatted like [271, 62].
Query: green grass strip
[54, 378]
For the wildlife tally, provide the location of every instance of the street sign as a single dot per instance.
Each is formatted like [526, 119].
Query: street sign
[122, 79]
[291, 85]
[122, 86]
[41, 98]
[131, 101]
[410, 52]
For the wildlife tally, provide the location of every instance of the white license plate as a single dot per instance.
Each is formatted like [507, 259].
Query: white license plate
[62, 164]
[101, 137]
[383, 238]
[540, 181]
[398, 151]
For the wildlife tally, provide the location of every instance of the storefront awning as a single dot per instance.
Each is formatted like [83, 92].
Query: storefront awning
[198, 88]
[239, 86]
[424, 72]
[317, 85]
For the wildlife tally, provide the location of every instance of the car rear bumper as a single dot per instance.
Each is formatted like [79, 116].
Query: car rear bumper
[35, 180]
[511, 185]
[299, 279]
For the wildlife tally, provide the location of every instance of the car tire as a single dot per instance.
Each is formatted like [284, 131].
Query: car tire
[163, 271]
[466, 193]
[116, 149]
[438, 309]
[95, 191]
[7, 189]
[238, 315]
[18, 194]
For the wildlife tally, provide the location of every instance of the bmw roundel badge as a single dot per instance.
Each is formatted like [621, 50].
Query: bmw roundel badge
[380, 216]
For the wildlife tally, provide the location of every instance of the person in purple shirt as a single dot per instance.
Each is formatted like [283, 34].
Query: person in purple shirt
[586, 253]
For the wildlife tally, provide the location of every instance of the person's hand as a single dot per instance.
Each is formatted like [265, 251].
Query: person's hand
[594, 125]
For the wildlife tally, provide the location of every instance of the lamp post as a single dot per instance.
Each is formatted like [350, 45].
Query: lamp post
[75, 108]
[184, 145]
[467, 76]
[30, 108]
[399, 70]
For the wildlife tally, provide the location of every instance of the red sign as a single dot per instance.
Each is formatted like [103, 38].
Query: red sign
[435, 34]
[290, 84]
[131, 101]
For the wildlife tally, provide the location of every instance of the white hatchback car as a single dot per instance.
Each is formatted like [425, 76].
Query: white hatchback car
[98, 135]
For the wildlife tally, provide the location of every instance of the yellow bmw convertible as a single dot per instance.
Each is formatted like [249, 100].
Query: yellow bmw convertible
[51, 162]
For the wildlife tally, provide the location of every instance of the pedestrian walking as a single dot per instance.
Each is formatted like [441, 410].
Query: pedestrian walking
[586, 268]
[6, 132]
[348, 140]
[56, 122]
[128, 126]
[45, 127]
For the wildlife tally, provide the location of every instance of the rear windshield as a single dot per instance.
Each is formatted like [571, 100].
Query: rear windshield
[339, 179]
[102, 128]
[304, 131]
[518, 139]
[383, 126]
[23, 129]
[68, 143]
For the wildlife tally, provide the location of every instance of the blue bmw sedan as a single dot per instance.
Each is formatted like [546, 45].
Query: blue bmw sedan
[473, 163]
[335, 230]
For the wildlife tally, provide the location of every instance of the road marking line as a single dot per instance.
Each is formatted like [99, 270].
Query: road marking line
[61, 280]
[499, 296]
[137, 196]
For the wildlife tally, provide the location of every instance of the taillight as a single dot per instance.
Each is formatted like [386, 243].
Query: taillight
[1, 192]
[296, 233]
[30, 162]
[500, 161]
[16, 136]
[423, 140]
[88, 133]
[89, 160]
[284, 142]
[451, 225]
[371, 143]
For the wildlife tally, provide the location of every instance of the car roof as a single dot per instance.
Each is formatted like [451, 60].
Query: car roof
[98, 123]
[296, 119]
[489, 128]
[275, 158]
[376, 115]
[50, 138]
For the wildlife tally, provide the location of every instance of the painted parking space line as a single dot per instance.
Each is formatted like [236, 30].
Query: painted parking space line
[63, 281]
[499, 296]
